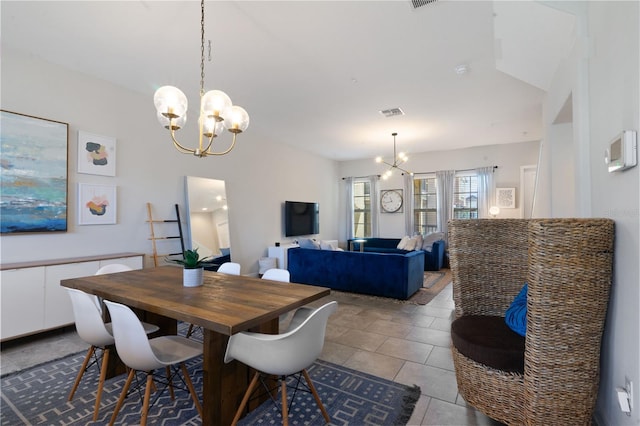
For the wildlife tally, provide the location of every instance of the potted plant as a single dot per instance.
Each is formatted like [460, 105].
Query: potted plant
[193, 269]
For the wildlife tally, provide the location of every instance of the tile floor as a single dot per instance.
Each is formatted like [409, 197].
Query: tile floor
[398, 341]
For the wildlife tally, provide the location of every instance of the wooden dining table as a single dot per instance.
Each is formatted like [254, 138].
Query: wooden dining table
[223, 305]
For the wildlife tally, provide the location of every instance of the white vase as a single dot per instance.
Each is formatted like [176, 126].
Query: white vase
[192, 277]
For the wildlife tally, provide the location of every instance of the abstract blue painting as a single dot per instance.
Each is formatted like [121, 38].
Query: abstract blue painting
[33, 174]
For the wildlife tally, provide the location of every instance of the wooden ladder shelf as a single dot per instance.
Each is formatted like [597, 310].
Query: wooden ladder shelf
[154, 238]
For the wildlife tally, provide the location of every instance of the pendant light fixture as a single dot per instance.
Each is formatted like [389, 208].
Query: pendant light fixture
[217, 113]
[398, 160]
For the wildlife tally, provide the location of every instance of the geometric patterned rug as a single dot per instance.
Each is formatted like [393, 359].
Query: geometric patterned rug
[38, 395]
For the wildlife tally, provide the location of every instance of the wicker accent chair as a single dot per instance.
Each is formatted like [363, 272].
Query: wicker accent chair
[567, 264]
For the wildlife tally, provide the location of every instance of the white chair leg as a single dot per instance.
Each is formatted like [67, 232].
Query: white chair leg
[192, 390]
[285, 410]
[147, 396]
[167, 369]
[103, 376]
[90, 352]
[247, 394]
[316, 396]
[123, 395]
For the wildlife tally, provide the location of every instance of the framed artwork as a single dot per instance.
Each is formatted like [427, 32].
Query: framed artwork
[96, 154]
[33, 175]
[506, 198]
[96, 204]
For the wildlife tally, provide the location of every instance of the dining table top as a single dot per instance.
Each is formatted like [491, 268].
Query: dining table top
[226, 304]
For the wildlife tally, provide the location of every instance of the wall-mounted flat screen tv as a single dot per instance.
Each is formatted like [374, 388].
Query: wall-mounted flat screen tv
[301, 218]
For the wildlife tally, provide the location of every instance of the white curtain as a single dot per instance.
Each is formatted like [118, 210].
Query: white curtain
[375, 211]
[409, 205]
[444, 196]
[485, 190]
[348, 190]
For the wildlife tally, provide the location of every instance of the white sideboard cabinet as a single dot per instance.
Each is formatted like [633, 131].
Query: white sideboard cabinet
[280, 253]
[32, 299]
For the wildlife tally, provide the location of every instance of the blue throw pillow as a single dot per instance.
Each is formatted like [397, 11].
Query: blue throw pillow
[516, 315]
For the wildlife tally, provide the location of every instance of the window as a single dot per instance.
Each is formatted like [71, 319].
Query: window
[361, 209]
[465, 201]
[425, 205]
[465, 197]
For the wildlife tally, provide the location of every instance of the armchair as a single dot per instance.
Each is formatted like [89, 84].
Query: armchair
[551, 375]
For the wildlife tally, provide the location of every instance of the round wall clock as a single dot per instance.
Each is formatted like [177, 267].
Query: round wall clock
[391, 200]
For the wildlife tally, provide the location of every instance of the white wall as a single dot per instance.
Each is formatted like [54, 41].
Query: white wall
[507, 157]
[602, 76]
[260, 173]
[615, 105]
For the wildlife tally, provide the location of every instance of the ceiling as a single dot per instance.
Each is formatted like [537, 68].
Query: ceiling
[315, 74]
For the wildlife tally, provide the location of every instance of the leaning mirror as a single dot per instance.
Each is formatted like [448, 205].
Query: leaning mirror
[207, 219]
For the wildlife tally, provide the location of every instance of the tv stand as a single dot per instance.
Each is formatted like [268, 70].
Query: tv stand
[280, 253]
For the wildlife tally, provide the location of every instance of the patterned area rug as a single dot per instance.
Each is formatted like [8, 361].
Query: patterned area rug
[38, 395]
[431, 278]
[433, 284]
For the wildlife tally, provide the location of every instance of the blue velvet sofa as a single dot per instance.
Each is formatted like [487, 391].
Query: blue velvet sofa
[433, 260]
[396, 275]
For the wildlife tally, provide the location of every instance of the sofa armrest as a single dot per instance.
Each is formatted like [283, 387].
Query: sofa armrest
[434, 259]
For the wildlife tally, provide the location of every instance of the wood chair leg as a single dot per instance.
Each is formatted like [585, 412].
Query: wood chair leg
[170, 382]
[90, 352]
[190, 331]
[103, 376]
[316, 396]
[247, 394]
[123, 395]
[192, 390]
[147, 396]
[285, 409]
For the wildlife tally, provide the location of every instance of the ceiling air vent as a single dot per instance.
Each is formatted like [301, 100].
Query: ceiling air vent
[419, 3]
[392, 112]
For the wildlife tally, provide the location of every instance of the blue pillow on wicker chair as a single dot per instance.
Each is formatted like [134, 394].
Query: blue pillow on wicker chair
[516, 315]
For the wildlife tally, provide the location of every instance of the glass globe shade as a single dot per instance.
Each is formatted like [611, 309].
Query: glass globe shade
[494, 210]
[237, 120]
[170, 100]
[215, 102]
[210, 126]
[178, 123]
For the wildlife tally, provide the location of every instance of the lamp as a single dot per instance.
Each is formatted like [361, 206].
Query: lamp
[494, 211]
[398, 160]
[216, 111]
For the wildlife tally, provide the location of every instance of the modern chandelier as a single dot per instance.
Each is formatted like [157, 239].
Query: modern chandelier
[398, 160]
[216, 111]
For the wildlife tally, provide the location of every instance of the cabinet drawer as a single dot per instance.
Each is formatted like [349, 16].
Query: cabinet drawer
[22, 294]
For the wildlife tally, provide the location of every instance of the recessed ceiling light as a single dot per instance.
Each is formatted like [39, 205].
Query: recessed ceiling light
[461, 69]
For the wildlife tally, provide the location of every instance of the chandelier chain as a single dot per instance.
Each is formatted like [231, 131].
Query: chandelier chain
[201, 47]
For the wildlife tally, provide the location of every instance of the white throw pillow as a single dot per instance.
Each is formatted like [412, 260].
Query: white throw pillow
[432, 238]
[411, 244]
[308, 243]
[403, 242]
[419, 241]
[324, 245]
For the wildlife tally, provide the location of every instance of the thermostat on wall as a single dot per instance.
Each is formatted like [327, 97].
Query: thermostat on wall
[622, 152]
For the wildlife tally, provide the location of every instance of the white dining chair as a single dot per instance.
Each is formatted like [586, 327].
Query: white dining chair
[112, 268]
[283, 275]
[92, 330]
[230, 268]
[276, 274]
[282, 355]
[142, 354]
